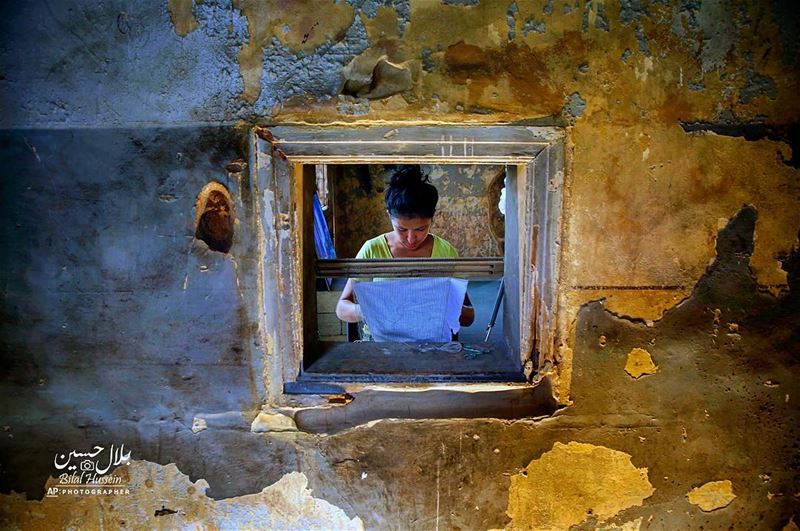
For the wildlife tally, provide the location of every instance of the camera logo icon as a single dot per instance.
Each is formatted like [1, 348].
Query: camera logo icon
[87, 465]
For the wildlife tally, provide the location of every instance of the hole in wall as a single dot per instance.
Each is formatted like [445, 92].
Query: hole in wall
[214, 217]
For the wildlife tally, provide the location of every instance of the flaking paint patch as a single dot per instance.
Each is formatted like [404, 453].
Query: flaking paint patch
[655, 277]
[180, 12]
[633, 525]
[713, 495]
[272, 422]
[199, 424]
[297, 29]
[286, 504]
[573, 481]
[647, 67]
[640, 363]
[384, 25]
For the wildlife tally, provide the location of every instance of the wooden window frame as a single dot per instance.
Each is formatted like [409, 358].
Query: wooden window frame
[284, 159]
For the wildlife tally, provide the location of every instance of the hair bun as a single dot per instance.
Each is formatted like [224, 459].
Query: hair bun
[410, 193]
[406, 176]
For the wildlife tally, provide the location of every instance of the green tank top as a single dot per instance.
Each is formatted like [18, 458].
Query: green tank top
[378, 248]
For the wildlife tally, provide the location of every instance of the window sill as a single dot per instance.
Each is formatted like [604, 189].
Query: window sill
[361, 404]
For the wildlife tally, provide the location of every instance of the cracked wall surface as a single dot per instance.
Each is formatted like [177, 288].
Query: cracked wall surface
[680, 239]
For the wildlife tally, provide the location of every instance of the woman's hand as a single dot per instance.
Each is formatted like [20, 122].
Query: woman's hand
[467, 316]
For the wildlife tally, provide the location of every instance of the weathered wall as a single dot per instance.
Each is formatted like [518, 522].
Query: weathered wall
[118, 326]
[113, 313]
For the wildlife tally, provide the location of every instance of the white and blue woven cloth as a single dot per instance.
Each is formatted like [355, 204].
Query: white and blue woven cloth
[413, 309]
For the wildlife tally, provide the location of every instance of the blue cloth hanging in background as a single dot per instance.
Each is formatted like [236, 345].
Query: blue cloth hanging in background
[322, 236]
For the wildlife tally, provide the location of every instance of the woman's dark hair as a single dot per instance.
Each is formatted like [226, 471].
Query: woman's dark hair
[410, 193]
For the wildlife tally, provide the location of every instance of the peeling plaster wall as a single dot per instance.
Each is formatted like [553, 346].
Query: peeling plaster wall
[118, 325]
[113, 313]
[286, 504]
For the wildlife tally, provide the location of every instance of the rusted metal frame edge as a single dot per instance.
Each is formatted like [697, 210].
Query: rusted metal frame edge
[541, 322]
[526, 217]
[303, 188]
[539, 224]
[456, 130]
[404, 271]
[526, 159]
[558, 159]
[317, 158]
[461, 142]
[257, 186]
[409, 267]
[410, 273]
[289, 340]
[376, 159]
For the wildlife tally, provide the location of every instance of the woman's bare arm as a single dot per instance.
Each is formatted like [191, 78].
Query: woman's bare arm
[347, 309]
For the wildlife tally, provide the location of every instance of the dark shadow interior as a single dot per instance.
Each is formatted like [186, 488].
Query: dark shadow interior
[353, 212]
[478, 360]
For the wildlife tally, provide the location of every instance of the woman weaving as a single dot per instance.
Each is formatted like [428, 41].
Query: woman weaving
[411, 203]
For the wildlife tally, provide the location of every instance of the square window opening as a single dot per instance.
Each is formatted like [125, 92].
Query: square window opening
[500, 207]
[470, 216]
